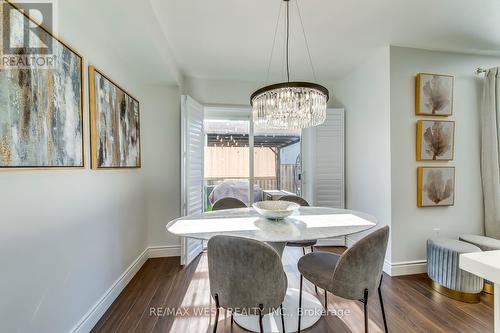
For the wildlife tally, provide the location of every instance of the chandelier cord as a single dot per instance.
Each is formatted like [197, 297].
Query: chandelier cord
[305, 39]
[287, 39]
[274, 43]
[286, 47]
[283, 56]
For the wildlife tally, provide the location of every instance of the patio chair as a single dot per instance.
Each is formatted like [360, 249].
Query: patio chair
[228, 203]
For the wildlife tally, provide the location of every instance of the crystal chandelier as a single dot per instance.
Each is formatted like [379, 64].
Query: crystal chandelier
[290, 105]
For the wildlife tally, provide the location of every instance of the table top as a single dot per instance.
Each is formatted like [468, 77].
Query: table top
[484, 264]
[305, 224]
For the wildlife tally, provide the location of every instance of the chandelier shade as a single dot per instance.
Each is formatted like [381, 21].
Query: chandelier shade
[290, 105]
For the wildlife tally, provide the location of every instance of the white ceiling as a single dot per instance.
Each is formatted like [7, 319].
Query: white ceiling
[161, 40]
[228, 39]
[126, 28]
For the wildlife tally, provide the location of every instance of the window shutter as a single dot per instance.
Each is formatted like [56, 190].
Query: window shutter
[193, 144]
[329, 166]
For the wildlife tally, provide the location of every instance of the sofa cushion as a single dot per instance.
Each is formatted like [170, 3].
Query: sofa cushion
[483, 242]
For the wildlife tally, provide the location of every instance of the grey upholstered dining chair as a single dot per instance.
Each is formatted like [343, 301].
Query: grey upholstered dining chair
[355, 274]
[306, 243]
[245, 275]
[228, 203]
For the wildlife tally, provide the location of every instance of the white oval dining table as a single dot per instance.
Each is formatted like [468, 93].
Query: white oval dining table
[305, 224]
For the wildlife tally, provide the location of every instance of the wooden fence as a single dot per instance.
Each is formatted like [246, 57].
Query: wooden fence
[265, 183]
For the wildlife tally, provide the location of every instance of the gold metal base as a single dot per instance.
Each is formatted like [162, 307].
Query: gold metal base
[489, 288]
[456, 295]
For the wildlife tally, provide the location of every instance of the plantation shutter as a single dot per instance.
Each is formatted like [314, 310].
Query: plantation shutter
[193, 145]
[329, 169]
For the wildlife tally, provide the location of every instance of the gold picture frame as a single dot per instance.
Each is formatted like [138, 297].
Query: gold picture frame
[80, 91]
[434, 95]
[435, 186]
[440, 138]
[98, 143]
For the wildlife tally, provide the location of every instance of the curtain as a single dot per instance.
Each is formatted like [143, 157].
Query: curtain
[490, 163]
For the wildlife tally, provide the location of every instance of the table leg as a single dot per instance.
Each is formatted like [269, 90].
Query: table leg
[278, 246]
[496, 308]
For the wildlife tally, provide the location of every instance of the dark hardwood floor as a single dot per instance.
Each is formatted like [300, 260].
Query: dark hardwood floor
[411, 305]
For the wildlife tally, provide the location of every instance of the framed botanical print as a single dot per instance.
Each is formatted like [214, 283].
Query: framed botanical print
[41, 103]
[435, 140]
[434, 95]
[436, 186]
[114, 124]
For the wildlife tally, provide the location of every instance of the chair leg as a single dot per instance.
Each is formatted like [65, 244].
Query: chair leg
[315, 286]
[300, 302]
[326, 301]
[232, 319]
[282, 318]
[216, 312]
[303, 250]
[260, 318]
[386, 330]
[365, 305]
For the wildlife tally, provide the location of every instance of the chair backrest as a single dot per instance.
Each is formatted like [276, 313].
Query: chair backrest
[296, 199]
[228, 203]
[360, 267]
[245, 273]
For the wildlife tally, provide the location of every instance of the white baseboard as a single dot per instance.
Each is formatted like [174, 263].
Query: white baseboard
[97, 311]
[405, 267]
[99, 308]
[164, 251]
[339, 241]
[387, 268]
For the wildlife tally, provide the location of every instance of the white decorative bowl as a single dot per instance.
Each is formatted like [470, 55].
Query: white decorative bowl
[275, 210]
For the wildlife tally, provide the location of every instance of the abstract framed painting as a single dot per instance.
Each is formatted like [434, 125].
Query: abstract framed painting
[435, 140]
[434, 95]
[114, 124]
[436, 186]
[41, 102]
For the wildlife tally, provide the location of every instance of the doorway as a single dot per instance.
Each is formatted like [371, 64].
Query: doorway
[247, 163]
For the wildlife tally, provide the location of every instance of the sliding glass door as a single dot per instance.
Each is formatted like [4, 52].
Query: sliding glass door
[277, 162]
[227, 156]
[247, 163]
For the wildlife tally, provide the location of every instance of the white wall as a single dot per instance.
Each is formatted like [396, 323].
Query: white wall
[162, 167]
[364, 93]
[67, 235]
[411, 226]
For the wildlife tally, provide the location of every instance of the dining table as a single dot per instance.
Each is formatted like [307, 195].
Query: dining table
[306, 223]
[485, 264]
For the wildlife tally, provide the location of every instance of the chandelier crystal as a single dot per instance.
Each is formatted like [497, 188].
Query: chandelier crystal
[290, 105]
